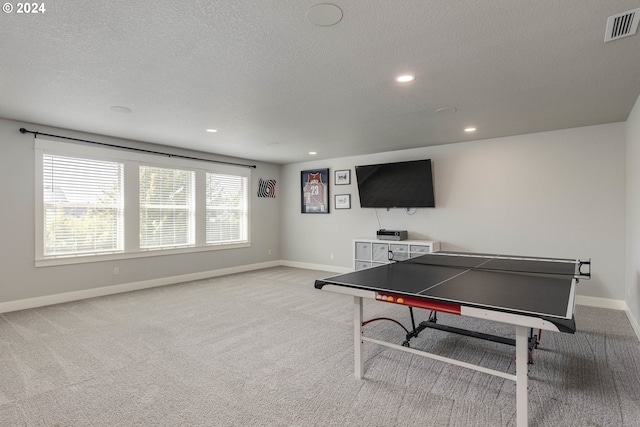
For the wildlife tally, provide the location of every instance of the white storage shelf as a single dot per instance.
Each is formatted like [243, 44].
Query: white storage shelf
[372, 252]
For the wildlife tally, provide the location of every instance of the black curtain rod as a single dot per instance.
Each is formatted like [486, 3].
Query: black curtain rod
[23, 130]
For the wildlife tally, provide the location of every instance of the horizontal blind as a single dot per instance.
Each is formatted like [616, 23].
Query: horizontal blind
[167, 207]
[83, 206]
[227, 208]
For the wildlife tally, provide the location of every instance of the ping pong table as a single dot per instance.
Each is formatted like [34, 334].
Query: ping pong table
[529, 293]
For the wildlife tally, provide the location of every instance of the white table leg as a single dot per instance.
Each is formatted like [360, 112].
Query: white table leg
[357, 336]
[522, 357]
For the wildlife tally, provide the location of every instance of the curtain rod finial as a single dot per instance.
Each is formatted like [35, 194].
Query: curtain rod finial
[23, 130]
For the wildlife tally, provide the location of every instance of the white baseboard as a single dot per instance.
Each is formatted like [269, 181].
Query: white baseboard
[320, 267]
[127, 287]
[613, 304]
[634, 323]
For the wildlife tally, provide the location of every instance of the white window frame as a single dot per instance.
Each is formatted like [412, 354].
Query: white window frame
[133, 159]
[119, 205]
[191, 211]
[242, 208]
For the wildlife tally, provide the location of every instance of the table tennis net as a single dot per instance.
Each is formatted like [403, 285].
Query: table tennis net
[564, 267]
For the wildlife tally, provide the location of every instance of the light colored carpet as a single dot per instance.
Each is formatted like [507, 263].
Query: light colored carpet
[265, 348]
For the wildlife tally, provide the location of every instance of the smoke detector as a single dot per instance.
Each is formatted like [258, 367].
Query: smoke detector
[622, 25]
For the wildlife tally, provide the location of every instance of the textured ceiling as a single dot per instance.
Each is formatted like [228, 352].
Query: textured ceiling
[277, 86]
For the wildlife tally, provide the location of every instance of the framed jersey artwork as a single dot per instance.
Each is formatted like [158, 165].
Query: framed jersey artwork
[315, 191]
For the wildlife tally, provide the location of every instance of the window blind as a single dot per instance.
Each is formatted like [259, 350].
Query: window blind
[227, 210]
[167, 207]
[83, 206]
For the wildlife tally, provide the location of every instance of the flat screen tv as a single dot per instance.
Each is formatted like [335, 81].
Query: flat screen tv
[396, 185]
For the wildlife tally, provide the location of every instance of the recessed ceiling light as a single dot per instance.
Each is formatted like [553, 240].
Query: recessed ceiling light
[120, 109]
[324, 14]
[405, 78]
[212, 130]
[313, 153]
[469, 129]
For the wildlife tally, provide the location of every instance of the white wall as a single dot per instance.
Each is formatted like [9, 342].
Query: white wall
[558, 194]
[20, 280]
[633, 214]
[555, 194]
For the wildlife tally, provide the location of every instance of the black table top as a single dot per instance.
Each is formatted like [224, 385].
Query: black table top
[538, 286]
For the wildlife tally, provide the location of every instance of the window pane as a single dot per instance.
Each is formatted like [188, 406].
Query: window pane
[166, 207]
[227, 203]
[83, 205]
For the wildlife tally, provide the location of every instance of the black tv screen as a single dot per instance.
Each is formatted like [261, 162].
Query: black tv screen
[396, 185]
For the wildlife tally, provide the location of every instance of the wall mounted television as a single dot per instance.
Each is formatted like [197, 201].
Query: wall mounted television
[396, 185]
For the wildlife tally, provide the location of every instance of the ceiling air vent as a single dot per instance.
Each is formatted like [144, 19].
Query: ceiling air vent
[622, 25]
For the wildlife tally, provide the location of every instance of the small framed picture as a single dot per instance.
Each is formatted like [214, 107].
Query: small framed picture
[343, 201]
[343, 177]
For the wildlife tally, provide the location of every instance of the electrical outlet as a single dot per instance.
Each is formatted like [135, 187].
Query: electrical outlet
[331, 256]
[269, 252]
[116, 271]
